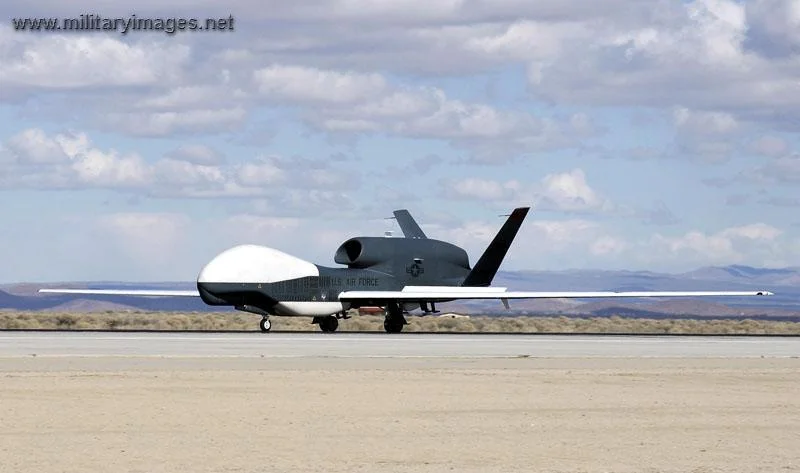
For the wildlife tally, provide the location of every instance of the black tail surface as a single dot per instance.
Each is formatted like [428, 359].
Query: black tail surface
[408, 224]
[485, 269]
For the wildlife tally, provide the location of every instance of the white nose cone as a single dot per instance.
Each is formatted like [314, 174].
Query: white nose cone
[255, 264]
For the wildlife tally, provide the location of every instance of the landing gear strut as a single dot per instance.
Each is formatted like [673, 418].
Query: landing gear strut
[265, 324]
[394, 321]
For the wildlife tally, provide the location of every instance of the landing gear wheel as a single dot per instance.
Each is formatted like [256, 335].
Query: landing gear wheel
[394, 321]
[393, 324]
[265, 325]
[329, 323]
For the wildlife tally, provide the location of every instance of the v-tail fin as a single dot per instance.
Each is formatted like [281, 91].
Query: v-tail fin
[485, 269]
[408, 225]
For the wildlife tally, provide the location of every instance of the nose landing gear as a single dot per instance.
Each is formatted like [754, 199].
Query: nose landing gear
[265, 324]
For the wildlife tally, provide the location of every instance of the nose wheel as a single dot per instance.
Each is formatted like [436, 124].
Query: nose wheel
[265, 325]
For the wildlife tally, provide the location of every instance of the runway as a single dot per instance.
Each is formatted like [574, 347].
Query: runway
[349, 345]
[412, 403]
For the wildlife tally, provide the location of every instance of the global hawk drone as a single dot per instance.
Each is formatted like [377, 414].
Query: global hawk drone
[398, 274]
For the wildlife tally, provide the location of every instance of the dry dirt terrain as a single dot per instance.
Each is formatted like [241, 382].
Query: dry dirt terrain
[399, 415]
[122, 320]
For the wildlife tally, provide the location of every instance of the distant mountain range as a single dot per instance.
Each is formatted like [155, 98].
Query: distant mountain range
[784, 282]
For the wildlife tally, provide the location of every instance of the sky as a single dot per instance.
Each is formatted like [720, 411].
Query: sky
[645, 134]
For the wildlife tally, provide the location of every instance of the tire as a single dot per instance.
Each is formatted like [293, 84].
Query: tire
[393, 325]
[329, 323]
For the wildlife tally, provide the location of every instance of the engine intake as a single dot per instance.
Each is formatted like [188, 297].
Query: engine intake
[364, 252]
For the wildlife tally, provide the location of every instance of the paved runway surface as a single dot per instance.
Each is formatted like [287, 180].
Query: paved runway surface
[282, 345]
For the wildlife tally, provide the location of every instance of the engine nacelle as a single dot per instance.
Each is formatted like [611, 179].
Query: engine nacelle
[365, 252]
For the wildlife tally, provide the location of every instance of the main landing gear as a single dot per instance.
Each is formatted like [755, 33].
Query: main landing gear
[329, 323]
[265, 324]
[394, 321]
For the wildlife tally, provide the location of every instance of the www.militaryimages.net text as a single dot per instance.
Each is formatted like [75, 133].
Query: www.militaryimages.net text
[123, 25]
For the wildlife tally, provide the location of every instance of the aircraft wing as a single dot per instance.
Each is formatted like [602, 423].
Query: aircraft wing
[125, 292]
[427, 293]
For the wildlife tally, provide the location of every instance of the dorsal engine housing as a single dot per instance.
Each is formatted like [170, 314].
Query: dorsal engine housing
[389, 254]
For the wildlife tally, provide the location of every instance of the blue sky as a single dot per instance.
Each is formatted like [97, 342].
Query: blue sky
[650, 134]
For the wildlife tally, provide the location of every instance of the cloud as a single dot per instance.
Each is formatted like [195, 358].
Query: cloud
[197, 154]
[771, 146]
[608, 245]
[482, 189]
[567, 192]
[570, 192]
[315, 86]
[564, 192]
[549, 244]
[159, 124]
[68, 161]
[71, 161]
[709, 136]
[783, 170]
[35, 147]
[694, 55]
[70, 62]
[753, 243]
[773, 27]
[350, 102]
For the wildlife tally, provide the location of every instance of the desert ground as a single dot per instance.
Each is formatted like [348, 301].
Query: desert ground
[399, 415]
[133, 320]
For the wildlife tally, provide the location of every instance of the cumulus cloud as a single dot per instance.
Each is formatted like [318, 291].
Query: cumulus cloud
[176, 122]
[693, 54]
[352, 102]
[565, 192]
[315, 86]
[754, 244]
[35, 147]
[62, 62]
[70, 161]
